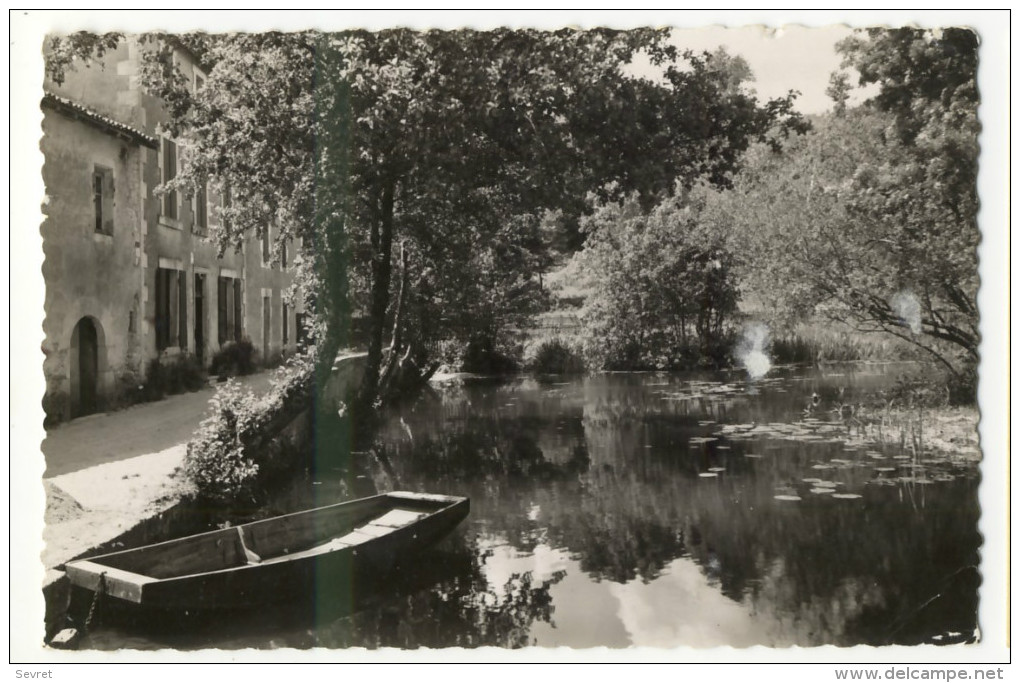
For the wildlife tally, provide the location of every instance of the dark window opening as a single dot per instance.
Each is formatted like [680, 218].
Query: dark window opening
[171, 309]
[229, 309]
[169, 173]
[286, 318]
[201, 210]
[302, 331]
[102, 199]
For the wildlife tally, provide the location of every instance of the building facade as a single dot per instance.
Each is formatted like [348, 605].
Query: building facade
[133, 275]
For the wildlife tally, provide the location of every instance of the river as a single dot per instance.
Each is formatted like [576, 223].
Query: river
[644, 509]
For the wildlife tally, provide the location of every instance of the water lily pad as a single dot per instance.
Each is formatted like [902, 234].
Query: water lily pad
[811, 480]
[784, 496]
[901, 457]
[716, 469]
[846, 496]
[702, 439]
[708, 474]
[823, 490]
[753, 455]
[722, 448]
[823, 466]
[885, 469]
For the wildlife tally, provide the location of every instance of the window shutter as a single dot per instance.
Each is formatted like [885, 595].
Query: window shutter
[237, 311]
[221, 309]
[161, 312]
[173, 307]
[285, 320]
[182, 310]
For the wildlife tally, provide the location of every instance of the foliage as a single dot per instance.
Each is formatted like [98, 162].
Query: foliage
[926, 78]
[481, 355]
[448, 148]
[664, 285]
[233, 359]
[818, 342]
[229, 452]
[164, 377]
[871, 218]
[63, 51]
[555, 356]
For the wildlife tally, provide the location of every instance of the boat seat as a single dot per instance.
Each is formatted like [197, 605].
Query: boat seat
[398, 517]
[380, 526]
[250, 556]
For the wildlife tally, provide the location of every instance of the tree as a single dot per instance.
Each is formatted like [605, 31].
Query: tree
[426, 154]
[838, 91]
[664, 285]
[926, 77]
[856, 224]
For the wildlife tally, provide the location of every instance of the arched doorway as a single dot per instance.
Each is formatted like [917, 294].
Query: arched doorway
[84, 368]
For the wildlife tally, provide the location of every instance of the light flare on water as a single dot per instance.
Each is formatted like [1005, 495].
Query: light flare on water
[751, 350]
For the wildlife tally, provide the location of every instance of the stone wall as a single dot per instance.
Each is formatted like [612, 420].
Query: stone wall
[90, 275]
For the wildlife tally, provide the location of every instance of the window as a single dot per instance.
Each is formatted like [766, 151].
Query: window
[102, 199]
[267, 325]
[286, 319]
[224, 205]
[302, 331]
[201, 211]
[265, 246]
[171, 309]
[229, 309]
[169, 173]
[283, 254]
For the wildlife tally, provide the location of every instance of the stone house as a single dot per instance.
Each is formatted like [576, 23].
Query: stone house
[132, 275]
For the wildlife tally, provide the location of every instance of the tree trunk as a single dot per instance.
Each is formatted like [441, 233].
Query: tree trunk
[381, 237]
[396, 342]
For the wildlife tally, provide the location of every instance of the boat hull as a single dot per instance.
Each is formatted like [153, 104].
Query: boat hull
[317, 573]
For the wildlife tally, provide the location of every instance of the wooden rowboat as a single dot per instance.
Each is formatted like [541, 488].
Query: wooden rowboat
[273, 558]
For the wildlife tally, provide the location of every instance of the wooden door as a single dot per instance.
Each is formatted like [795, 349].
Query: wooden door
[266, 321]
[88, 367]
[200, 317]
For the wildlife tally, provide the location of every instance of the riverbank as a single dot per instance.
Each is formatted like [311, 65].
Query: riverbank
[91, 507]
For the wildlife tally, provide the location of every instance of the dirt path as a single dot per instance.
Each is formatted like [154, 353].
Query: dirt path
[138, 430]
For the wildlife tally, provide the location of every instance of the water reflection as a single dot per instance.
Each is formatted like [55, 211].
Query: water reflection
[592, 525]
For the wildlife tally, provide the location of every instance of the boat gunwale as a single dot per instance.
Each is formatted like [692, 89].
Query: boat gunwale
[444, 503]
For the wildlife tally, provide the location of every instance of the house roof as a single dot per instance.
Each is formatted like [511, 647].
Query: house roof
[80, 112]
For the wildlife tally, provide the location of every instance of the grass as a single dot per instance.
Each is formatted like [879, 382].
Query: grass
[818, 342]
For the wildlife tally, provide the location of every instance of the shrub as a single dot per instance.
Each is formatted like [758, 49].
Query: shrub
[234, 359]
[554, 357]
[224, 459]
[482, 356]
[165, 377]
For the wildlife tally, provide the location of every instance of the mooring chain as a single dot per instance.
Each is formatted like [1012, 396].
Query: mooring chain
[95, 600]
